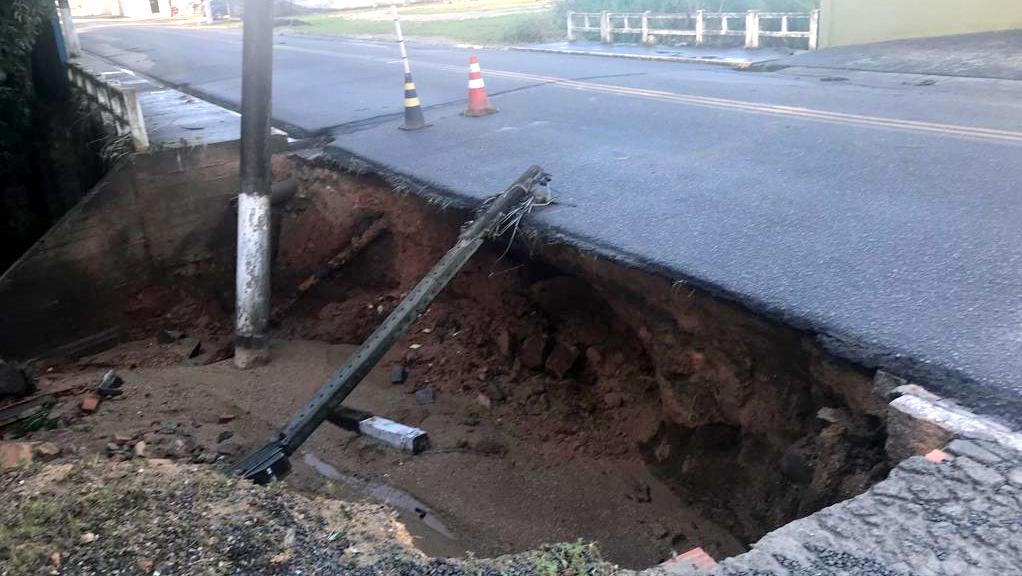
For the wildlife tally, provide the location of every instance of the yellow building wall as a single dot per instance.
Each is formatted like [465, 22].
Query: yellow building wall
[844, 22]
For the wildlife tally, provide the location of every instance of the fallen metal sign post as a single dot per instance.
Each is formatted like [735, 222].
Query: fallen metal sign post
[394, 434]
[496, 216]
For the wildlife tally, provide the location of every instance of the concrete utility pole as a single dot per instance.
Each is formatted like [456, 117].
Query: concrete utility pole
[74, 47]
[251, 340]
[207, 6]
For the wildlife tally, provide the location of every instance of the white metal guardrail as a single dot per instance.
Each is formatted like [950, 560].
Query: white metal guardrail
[118, 105]
[700, 26]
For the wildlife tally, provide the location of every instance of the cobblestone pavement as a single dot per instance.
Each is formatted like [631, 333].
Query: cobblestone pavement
[960, 517]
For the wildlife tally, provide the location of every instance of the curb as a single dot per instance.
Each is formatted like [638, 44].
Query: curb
[678, 59]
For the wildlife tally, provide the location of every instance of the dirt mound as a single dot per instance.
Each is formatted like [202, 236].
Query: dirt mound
[157, 517]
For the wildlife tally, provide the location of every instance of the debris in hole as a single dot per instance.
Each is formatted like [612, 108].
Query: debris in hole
[194, 349]
[47, 451]
[224, 436]
[169, 336]
[695, 559]
[495, 391]
[533, 351]
[490, 447]
[425, 395]
[561, 359]
[14, 454]
[832, 415]
[13, 381]
[90, 403]
[394, 434]
[398, 373]
[640, 493]
[110, 385]
[225, 418]
[506, 342]
[227, 448]
[613, 400]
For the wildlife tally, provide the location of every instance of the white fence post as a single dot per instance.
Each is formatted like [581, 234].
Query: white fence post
[723, 25]
[784, 24]
[571, 30]
[645, 27]
[752, 29]
[814, 29]
[700, 27]
[136, 122]
[606, 33]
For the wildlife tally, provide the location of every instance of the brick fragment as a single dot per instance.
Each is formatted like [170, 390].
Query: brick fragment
[938, 456]
[90, 403]
[14, 454]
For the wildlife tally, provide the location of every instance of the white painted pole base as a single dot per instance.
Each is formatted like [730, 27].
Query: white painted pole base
[252, 346]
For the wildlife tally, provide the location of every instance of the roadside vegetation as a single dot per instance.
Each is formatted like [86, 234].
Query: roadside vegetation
[518, 28]
[491, 22]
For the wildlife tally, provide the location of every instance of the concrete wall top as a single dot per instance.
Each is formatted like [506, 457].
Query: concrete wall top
[845, 22]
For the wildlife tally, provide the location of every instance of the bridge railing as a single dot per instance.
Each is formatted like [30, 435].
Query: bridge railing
[118, 105]
[700, 26]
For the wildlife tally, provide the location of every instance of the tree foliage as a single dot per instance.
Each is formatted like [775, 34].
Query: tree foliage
[19, 26]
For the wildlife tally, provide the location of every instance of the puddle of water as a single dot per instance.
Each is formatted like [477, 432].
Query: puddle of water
[383, 493]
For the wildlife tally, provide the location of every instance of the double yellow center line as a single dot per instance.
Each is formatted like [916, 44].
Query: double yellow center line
[768, 109]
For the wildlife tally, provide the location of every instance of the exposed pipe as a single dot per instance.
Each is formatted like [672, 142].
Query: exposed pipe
[252, 344]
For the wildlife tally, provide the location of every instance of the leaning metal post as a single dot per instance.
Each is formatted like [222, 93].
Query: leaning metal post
[271, 461]
[252, 346]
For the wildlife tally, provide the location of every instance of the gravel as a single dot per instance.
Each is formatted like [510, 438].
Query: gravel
[152, 516]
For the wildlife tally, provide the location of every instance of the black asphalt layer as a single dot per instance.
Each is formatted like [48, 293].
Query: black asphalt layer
[985, 55]
[887, 218]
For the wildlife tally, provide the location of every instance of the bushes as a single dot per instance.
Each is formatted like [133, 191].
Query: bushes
[534, 28]
[19, 24]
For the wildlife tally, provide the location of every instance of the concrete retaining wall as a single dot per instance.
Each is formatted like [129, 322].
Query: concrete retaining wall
[156, 216]
[846, 22]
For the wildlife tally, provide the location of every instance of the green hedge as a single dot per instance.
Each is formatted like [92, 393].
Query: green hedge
[19, 26]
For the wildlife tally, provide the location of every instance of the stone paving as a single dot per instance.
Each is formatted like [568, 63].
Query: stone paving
[960, 517]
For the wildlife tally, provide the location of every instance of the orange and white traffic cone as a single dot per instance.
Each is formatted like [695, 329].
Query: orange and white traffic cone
[478, 103]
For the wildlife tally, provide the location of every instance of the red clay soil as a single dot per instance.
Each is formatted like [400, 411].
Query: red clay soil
[575, 366]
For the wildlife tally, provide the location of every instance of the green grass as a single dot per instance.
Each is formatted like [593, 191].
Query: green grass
[575, 558]
[510, 29]
[472, 6]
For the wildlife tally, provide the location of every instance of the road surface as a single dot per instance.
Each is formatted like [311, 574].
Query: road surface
[883, 212]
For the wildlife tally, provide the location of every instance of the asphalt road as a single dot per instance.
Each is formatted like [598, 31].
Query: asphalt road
[880, 211]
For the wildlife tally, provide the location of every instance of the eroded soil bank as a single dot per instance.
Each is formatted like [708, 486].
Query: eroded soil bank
[567, 396]
[582, 356]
